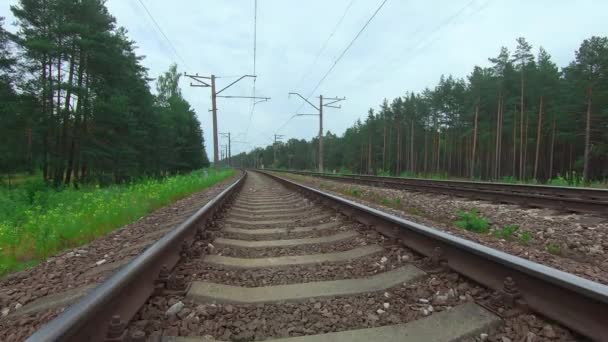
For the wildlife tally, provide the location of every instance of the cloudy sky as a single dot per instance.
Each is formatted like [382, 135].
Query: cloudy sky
[406, 47]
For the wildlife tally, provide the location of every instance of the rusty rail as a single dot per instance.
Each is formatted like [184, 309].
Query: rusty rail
[569, 199]
[111, 304]
[575, 302]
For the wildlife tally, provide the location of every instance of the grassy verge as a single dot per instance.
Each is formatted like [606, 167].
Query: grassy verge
[36, 221]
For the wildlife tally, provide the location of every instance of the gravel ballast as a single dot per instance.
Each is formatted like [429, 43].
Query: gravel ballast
[574, 243]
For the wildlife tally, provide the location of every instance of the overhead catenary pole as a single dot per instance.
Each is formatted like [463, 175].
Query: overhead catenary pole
[229, 147]
[277, 137]
[214, 113]
[320, 114]
[201, 82]
[320, 133]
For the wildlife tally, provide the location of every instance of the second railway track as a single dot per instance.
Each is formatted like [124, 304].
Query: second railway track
[285, 260]
[567, 199]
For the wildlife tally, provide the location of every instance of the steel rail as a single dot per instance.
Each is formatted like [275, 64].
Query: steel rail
[570, 199]
[575, 302]
[128, 289]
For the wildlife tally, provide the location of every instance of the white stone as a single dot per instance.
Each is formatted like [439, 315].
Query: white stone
[70, 254]
[430, 308]
[100, 262]
[596, 249]
[380, 311]
[18, 306]
[451, 293]
[384, 260]
[425, 312]
[505, 339]
[405, 258]
[483, 336]
[423, 300]
[210, 246]
[530, 337]
[174, 309]
[440, 299]
[5, 312]
[386, 305]
[463, 298]
[387, 295]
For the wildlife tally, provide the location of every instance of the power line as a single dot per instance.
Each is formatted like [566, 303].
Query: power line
[286, 122]
[316, 59]
[163, 33]
[255, 29]
[428, 39]
[344, 52]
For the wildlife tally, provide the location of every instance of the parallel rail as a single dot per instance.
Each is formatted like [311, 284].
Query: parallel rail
[128, 289]
[569, 199]
[575, 302]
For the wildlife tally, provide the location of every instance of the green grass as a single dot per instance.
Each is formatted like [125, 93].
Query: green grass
[471, 221]
[525, 238]
[393, 203]
[554, 249]
[413, 211]
[506, 232]
[37, 221]
[356, 192]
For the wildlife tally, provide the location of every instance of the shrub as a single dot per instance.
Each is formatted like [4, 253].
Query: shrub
[345, 171]
[413, 211]
[506, 232]
[471, 221]
[554, 249]
[355, 192]
[525, 238]
[509, 179]
[407, 174]
[395, 203]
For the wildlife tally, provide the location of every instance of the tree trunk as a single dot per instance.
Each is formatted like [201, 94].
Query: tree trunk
[552, 150]
[51, 122]
[388, 150]
[521, 126]
[425, 150]
[398, 151]
[46, 121]
[502, 111]
[412, 165]
[538, 129]
[525, 147]
[63, 153]
[384, 144]
[473, 151]
[497, 146]
[438, 150]
[76, 129]
[369, 152]
[58, 177]
[515, 143]
[587, 138]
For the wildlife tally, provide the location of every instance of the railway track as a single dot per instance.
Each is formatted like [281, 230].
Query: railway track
[568, 199]
[272, 259]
